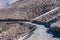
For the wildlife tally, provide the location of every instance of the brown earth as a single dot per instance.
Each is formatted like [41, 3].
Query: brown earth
[28, 9]
[12, 31]
[25, 10]
[50, 15]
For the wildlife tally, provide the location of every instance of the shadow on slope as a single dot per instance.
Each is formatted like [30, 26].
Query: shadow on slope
[55, 35]
[31, 27]
[47, 25]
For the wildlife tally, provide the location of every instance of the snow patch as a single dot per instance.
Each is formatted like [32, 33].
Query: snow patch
[6, 2]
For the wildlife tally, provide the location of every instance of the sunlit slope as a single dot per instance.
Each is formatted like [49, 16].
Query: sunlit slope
[27, 9]
[48, 16]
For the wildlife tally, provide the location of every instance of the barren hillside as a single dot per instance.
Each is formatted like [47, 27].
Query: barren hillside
[28, 9]
[11, 26]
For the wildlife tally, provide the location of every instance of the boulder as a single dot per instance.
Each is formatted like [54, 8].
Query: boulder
[55, 27]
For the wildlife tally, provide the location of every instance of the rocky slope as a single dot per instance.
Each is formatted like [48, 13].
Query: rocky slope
[49, 16]
[32, 10]
[27, 9]
[12, 31]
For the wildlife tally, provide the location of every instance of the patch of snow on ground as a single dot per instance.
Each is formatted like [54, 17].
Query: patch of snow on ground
[6, 2]
[41, 34]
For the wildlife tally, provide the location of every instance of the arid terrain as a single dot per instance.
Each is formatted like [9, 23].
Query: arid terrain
[28, 9]
[22, 20]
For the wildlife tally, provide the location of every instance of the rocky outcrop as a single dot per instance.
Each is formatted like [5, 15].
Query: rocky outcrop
[55, 27]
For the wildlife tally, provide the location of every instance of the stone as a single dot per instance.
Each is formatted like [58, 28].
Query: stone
[55, 27]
